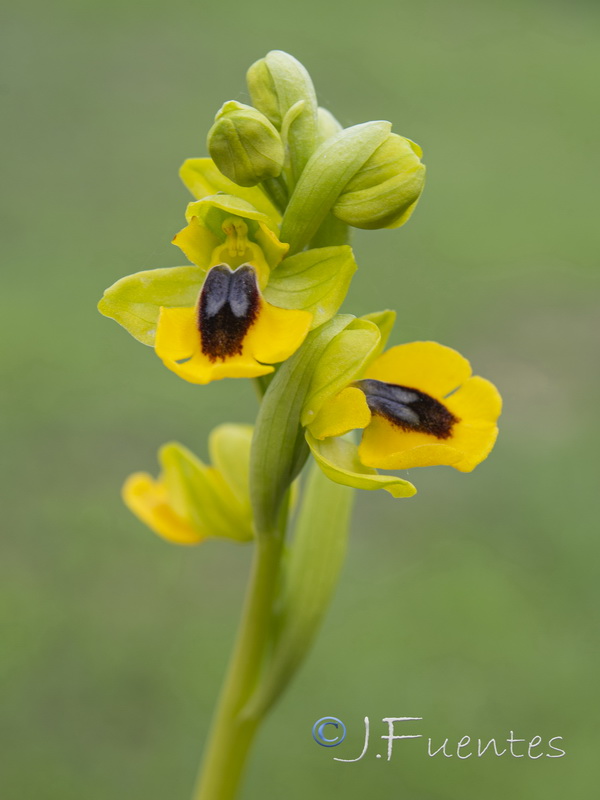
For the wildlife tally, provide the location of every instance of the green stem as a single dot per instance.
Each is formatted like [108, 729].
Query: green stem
[233, 731]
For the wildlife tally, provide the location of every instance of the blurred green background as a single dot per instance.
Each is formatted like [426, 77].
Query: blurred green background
[473, 605]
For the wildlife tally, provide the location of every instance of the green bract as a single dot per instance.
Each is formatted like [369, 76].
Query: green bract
[278, 449]
[309, 576]
[244, 145]
[345, 358]
[329, 170]
[341, 362]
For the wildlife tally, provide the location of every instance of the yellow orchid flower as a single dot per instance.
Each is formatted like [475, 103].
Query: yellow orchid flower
[232, 331]
[242, 306]
[190, 501]
[418, 405]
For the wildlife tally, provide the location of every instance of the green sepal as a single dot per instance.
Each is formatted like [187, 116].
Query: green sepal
[310, 575]
[330, 168]
[135, 300]
[342, 362]
[279, 450]
[338, 458]
[315, 280]
[202, 178]
[204, 495]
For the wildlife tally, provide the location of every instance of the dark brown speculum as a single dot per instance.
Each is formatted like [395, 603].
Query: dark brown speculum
[227, 308]
[407, 408]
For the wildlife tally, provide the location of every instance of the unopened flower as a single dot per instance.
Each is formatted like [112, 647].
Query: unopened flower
[245, 145]
[385, 190]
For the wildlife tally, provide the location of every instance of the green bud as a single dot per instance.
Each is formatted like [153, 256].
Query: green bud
[244, 145]
[384, 191]
[281, 88]
[263, 92]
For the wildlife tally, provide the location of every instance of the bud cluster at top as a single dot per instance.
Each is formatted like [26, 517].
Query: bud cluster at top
[365, 175]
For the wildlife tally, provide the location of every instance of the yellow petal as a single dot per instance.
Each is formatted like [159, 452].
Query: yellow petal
[277, 333]
[148, 500]
[201, 370]
[178, 338]
[197, 242]
[474, 442]
[273, 249]
[477, 404]
[388, 447]
[344, 412]
[477, 400]
[428, 366]
[274, 336]
[177, 334]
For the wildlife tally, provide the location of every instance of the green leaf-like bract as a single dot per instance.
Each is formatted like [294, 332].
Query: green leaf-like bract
[278, 448]
[310, 575]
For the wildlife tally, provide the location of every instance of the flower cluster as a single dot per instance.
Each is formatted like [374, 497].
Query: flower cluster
[266, 237]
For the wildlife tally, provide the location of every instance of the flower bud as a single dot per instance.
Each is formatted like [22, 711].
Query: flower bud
[244, 145]
[384, 191]
[263, 93]
[282, 89]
